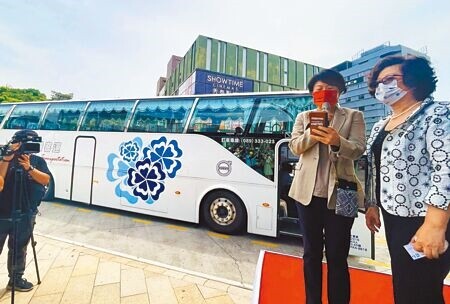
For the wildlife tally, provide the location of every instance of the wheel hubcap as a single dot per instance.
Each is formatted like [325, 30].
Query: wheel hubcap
[223, 211]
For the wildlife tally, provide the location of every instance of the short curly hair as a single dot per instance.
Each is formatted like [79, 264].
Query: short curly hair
[330, 77]
[418, 75]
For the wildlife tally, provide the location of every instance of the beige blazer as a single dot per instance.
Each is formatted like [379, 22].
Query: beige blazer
[350, 125]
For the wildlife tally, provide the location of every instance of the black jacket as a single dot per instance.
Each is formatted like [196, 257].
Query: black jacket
[31, 191]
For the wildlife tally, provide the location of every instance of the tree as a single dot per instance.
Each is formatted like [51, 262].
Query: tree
[61, 96]
[8, 94]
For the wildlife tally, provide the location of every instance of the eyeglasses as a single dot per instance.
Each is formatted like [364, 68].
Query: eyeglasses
[388, 79]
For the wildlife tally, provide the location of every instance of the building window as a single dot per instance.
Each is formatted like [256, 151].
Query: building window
[265, 67]
[244, 62]
[304, 76]
[208, 54]
[295, 74]
[237, 60]
[361, 96]
[285, 72]
[224, 56]
[218, 56]
[193, 63]
[257, 65]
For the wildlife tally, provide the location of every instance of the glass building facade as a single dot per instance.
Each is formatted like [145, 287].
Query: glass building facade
[355, 73]
[267, 72]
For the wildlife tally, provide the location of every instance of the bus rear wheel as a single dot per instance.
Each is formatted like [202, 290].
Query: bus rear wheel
[224, 212]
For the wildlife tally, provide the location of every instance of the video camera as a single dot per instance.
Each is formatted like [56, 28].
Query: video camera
[30, 143]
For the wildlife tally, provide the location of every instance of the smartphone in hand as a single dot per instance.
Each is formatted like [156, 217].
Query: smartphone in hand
[318, 118]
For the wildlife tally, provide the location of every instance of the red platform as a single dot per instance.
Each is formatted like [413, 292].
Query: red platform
[279, 279]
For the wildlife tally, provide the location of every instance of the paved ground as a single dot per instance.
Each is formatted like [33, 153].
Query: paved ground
[75, 274]
[179, 244]
[96, 255]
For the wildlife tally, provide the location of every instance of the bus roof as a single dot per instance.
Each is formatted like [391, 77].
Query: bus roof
[304, 92]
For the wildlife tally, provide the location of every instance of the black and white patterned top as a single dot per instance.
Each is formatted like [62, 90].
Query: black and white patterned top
[415, 163]
[377, 147]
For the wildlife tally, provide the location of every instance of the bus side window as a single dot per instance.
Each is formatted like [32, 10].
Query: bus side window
[49, 125]
[4, 109]
[221, 115]
[107, 116]
[142, 120]
[63, 116]
[16, 123]
[32, 125]
[90, 122]
[111, 121]
[270, 121]
[276, 115]
[272, 117]
[69, 120]
[25, 116]
[168, 116]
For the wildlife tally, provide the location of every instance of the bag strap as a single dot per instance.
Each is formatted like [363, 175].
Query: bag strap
[334, 162]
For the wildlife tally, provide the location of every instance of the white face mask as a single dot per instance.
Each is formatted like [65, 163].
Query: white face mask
[389, 93]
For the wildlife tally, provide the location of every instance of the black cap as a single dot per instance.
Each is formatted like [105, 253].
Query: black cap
[24, 135]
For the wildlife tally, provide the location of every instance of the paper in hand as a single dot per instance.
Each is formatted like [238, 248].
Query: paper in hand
[415, 255]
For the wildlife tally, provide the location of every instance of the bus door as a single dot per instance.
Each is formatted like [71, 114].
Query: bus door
[83, 169]
[288, 221]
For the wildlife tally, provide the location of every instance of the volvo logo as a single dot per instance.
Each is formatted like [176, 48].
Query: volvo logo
[223, 168]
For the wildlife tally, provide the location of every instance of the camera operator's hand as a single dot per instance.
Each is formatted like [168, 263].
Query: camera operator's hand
[38, 176]
[7, 158]
[4, 164]
[11, 149]
[24, 161]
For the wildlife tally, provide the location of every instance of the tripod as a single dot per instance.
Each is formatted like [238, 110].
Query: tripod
[20, 213]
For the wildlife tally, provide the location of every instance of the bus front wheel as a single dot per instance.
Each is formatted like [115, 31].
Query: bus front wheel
[224, 212]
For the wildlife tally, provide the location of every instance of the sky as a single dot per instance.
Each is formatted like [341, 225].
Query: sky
[99, 49]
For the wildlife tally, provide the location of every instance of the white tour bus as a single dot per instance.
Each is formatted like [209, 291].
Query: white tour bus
[218, 159]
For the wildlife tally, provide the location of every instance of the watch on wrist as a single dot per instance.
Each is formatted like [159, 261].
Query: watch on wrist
[31, 168]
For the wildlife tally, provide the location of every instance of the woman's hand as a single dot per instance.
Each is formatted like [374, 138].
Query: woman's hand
[430, 237]
[430, 240]
[373, 219]
[326, 135]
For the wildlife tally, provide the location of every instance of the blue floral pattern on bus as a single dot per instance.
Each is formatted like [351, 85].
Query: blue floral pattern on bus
[129, 151]
[140, 171]
[166, 154]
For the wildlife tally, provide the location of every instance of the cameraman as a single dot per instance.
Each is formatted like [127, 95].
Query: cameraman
[35, 177]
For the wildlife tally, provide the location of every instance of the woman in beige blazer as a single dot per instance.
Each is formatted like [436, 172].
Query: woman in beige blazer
[322, 153]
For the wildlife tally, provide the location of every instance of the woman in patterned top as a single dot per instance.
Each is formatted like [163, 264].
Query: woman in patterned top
[409, 176]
